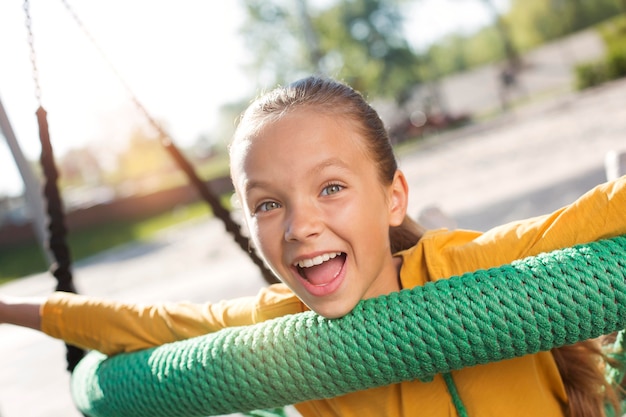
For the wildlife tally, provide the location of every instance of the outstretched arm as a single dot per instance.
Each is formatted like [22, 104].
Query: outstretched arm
[106, 325]
[113, 327]
[21, 311]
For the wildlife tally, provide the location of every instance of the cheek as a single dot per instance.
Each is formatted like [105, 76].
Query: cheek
[253, 230]
[250, 225]
[262, 239]
[365, 213]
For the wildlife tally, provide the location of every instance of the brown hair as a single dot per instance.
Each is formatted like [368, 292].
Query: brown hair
[582, 368]
[580, 365]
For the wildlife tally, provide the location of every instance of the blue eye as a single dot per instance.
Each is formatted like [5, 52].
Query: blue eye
[332, 189]
[267, 206]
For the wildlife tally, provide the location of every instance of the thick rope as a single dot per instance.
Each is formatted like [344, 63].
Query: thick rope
[454, 394]
[531, 305]
[61, 266]
[57, 242]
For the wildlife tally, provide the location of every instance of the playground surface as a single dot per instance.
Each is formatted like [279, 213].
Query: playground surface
[525, 163]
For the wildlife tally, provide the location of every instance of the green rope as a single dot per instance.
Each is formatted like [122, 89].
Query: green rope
[531, 305]
[454, 394]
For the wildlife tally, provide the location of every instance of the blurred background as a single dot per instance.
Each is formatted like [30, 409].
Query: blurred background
[498, 109]
[428, 66]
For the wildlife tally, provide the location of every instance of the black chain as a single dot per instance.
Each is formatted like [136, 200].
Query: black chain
[61, 268]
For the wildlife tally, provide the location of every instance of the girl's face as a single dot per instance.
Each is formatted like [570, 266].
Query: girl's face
[317, 210]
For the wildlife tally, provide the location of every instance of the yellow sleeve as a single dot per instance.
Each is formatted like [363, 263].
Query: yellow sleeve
[598, 214]
[113, 327]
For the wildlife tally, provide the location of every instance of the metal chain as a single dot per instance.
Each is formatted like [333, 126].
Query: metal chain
[163, 135]
[33, 59]
[112, 67]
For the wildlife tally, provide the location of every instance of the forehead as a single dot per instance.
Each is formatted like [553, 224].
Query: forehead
[299, 136]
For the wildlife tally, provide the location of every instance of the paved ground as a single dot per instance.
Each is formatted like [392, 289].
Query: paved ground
[526, 163]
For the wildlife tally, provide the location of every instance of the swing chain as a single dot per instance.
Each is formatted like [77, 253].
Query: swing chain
[31, 44]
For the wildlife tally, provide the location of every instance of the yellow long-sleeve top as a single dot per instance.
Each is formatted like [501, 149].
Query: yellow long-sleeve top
[526, 386]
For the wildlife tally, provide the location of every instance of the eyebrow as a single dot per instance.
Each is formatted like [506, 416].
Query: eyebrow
[330, 162]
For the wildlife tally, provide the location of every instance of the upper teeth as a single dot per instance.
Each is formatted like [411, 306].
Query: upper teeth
[306, 263]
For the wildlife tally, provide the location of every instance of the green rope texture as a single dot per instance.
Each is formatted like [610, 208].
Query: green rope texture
[530, 305]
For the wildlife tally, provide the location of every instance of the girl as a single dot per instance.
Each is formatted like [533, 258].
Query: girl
[325, 205]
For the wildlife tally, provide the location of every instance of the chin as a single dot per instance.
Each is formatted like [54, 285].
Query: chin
[331, 312]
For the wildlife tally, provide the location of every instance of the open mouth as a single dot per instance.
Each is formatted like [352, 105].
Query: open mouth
[323, 269]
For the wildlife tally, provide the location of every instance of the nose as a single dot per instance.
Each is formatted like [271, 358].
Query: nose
[302, 222]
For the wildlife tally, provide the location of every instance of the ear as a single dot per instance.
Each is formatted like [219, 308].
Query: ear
[398, 199]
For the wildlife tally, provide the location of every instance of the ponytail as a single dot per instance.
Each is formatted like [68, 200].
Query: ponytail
[406, 235]
[583, 374]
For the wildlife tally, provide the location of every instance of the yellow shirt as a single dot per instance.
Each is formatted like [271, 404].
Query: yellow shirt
[527, 386]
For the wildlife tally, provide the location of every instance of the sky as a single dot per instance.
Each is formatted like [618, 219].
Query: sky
[182, 59]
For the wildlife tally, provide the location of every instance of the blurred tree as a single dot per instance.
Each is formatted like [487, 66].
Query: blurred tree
[484, 47]
[79, 167]
[311, 38]
[365, 44]
[145, 166]
[450, 54]
[272, 31]
[510, 50]
[359, 41]
[527, 23]
[537, 21]
[455, 52]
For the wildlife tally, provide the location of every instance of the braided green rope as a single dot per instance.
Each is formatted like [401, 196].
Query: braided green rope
[454, 394]
[531, 305]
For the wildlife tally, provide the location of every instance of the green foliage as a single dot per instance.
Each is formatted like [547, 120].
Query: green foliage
[360, 42]
[368, 48]
[613, 65]
[449, 55]
[273, 33]
[456, 53]
[21, 260]
[590, 74]
[613, 32]
[616, 64]
[484, 47]
[534, 22]
[529, 23]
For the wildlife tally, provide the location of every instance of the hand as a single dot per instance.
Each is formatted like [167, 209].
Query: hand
[21, 311]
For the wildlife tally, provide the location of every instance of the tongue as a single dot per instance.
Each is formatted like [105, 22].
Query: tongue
[325, 272]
